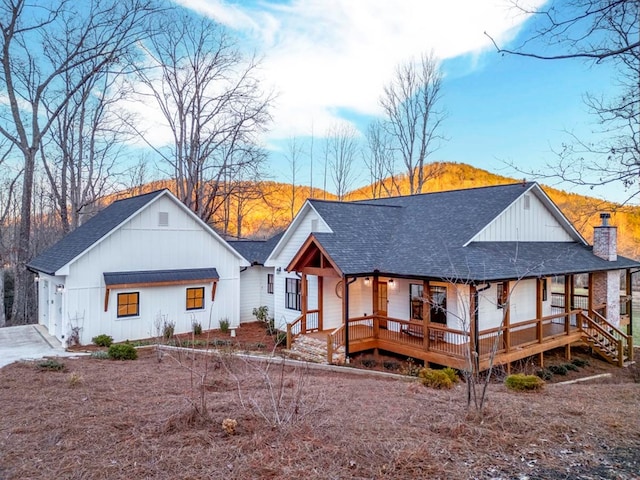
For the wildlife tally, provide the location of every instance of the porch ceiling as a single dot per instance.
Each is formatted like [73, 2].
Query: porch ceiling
[313, 259]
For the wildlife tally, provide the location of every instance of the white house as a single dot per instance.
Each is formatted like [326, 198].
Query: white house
[257, 280]
[425, 275]
[139, 262]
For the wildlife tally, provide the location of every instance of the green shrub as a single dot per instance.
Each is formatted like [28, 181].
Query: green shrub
[571, 366]
[224, 325]
[102, 340]
[452, 374]
[51, 365]
[123, 351]
[197, 328]
[558, 369]
[261, 313]
[521, 382]
[580, 362]
[435, 378]
[168, 329]
[281, 338]
[545, 374]
[100, 354]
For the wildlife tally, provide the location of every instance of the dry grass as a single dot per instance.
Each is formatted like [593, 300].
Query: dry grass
[134, 420]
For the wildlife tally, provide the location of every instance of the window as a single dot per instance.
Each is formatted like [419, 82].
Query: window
[415, 299]
[128, 304]
[269, 282]
[544, 289]
[438, 304]
[292, 298]
[195, 298]
[501, 294]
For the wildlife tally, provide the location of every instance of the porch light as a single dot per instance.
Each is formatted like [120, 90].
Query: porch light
[367, 281]
[36, 278]
[60, 288]
[392, 283]
[279, 269]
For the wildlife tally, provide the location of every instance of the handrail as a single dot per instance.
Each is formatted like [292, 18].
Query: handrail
[291, 332]
[335, 340]
[615, 336]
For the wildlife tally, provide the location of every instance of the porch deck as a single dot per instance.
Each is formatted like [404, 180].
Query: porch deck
[455, 348]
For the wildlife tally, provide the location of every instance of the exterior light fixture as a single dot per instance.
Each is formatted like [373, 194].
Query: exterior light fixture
[367, 281]
[60, 288]
[36, 278]
[279, 269]
[392, 283]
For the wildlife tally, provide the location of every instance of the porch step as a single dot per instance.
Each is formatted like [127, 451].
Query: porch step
[313, 350]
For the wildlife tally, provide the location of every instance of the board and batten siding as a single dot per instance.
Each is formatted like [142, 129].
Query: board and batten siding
[254, 292]
[307, 221]
[526, 220]
[142, 244]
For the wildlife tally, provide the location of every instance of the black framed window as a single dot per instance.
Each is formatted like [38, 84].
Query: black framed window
[195, 298]
[544, 289]
[293, 294]
[416, 301]
[269, 282]
[501, 295]
[128, 304]
[438, 303]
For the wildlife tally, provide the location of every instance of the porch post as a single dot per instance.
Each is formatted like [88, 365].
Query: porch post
[426, 313]
[539, 300]
[304, 303]
[568, 293]
[474, 347]
[590, 294]
[507, 318]
[629, 293]
[374, 306]
[320, 303]
[345, 314]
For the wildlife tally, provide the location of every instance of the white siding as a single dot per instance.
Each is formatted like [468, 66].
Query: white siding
[520, 224]
[253, 292]
[294, 238]
[141, 244]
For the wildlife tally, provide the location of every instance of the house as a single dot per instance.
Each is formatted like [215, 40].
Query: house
[140, 262]
[451, 278]
[256, 280]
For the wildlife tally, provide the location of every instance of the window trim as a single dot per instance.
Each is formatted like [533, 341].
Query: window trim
[501, 294]
[293, 298]
[411, 301]
[270, 283]
[200, 297]
[128, 304]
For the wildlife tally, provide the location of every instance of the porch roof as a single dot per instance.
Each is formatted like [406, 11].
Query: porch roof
[187, 275]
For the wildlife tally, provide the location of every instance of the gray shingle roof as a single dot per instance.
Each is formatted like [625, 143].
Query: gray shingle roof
[159, 276]
[425, 236]
[83, 237]
[255, 251]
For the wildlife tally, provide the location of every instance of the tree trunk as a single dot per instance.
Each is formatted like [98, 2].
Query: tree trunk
[3, 318]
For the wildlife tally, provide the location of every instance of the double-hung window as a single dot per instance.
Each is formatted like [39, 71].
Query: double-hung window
[293, 294]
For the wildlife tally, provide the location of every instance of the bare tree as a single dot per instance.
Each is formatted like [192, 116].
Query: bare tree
[379, 160]
[601, 32]
[340, 151]
[41, 44]
[86, 140]
[413, 118]
[294, 154]
[210, 96]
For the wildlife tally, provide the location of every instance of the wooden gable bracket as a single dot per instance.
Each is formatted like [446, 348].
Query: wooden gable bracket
[312, 259]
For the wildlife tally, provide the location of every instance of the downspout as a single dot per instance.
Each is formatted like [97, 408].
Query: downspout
[346, 284]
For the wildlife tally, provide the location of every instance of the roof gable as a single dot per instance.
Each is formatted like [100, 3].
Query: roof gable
[101, 226]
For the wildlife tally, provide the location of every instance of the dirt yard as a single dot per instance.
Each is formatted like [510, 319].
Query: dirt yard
[103, 419]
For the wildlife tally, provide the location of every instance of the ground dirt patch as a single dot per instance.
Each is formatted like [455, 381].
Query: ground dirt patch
[103, 419]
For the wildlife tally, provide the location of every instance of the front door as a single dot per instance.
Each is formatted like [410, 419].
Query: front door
[382, 303]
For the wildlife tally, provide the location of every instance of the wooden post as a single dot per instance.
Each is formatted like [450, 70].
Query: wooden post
[507, 320]
[473, 345]
[620, 354]
[426, 314]
[629, 293]
[303, 280]
[590, 297]
[320, 304]
[374, 295]
[289, 339]
[539, 301]
[329, 350]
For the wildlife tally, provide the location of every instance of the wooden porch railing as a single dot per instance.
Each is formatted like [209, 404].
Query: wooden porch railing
[611, 342]
[301, 325]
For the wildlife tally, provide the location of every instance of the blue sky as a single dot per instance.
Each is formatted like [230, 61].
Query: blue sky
[329, 59]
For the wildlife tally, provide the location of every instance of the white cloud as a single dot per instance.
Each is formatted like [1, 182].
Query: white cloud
[326, 56]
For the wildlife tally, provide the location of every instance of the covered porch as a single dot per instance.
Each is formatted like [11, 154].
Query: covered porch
[463, 325]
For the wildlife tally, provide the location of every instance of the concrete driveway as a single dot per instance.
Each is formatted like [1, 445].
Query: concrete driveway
[28, 342]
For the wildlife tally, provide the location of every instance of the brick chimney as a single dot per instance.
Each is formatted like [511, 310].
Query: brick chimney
[606, 285]
[605, 239]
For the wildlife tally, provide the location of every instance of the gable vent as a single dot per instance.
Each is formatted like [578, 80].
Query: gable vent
[163, 219]
[527, 202]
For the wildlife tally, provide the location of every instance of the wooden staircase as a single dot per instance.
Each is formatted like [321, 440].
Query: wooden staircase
[311, 349]
[606, 339]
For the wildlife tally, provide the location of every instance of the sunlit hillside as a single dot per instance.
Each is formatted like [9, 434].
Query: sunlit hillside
[262, 215]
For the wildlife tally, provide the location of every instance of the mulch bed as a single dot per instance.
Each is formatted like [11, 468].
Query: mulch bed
[103, 419]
